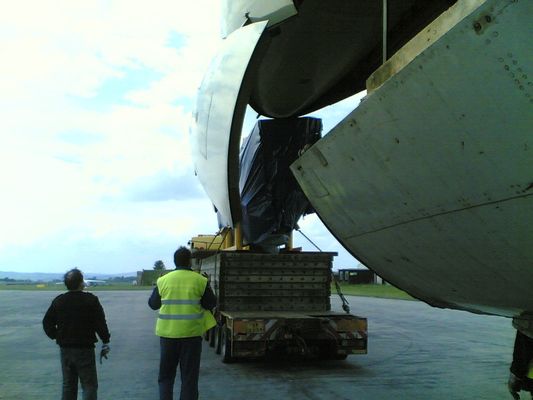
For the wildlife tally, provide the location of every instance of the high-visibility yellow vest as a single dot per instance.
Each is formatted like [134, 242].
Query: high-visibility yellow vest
[181, 314]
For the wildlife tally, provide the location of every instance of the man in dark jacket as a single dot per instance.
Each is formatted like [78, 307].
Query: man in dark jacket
[72, 320]
[521, 376]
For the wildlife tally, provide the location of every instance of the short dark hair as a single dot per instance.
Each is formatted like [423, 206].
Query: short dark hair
[73, 279]
[182, 257]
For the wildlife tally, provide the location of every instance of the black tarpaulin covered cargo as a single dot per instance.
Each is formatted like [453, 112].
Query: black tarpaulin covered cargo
[271, 200]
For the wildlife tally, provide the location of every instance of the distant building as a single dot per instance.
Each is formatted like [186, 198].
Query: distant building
[358, 276]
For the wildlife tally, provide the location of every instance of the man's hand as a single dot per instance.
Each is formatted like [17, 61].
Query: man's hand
[104, 352]
[515, 385]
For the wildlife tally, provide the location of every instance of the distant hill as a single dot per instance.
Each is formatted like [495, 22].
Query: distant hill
[48, 277]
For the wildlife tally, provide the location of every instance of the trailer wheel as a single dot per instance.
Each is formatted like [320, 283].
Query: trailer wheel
[329, 352]
[225, 343]
[211, 335]
[216, 336]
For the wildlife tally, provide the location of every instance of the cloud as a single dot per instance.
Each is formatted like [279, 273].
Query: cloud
[79, 137]
[96, 101]
[165, 186]
[114, 238]
[71, 48]
[95, 107]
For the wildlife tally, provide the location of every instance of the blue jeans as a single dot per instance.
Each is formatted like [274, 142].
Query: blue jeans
[78, 363]
[186, 352]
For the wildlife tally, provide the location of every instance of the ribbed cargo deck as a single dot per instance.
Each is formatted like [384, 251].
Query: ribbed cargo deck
[245, 281]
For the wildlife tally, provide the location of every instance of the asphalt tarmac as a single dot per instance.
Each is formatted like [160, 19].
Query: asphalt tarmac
[415, 352]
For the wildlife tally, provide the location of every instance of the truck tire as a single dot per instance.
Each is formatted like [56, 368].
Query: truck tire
[225, 343]
[329, 352]
[211, 336]
[216, 335]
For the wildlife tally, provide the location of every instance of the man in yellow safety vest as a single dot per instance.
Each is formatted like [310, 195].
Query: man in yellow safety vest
[184, 300]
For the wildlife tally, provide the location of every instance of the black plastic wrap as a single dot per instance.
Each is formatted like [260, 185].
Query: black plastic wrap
[271, 200]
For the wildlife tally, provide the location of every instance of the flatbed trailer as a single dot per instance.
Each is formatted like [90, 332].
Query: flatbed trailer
[278, 304]
[256, 334]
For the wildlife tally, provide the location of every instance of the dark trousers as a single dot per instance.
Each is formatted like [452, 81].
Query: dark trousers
[78, 364]
[186, 352]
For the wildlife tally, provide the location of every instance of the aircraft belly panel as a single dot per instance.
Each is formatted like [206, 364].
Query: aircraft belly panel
[236, 13]
[218, 106]
[447, 260]
[429, 181]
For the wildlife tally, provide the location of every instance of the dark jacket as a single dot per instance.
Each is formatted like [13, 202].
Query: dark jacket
[208, 300]
[522, 356]
[73, 318]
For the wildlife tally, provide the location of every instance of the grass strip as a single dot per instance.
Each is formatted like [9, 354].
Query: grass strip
[62, 288]
[381, 291]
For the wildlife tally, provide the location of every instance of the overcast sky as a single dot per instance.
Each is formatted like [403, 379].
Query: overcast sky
[96, 100]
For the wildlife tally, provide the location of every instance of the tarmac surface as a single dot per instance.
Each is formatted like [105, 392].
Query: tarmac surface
[415, 352]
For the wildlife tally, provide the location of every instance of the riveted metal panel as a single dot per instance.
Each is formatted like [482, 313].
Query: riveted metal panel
[430, 179]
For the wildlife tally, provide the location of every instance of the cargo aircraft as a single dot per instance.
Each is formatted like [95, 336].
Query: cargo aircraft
[429, 181]
[94, 282]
